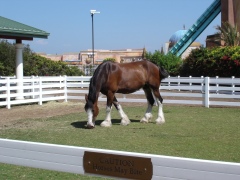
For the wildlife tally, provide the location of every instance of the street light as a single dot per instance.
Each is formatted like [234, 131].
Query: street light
[92, 12]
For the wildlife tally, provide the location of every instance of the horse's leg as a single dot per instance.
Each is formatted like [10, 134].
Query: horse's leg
[148, 114]
[124, 119]
[159, 99]
[107, 122]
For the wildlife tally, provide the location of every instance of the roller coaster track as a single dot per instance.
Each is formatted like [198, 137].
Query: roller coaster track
[197, 28]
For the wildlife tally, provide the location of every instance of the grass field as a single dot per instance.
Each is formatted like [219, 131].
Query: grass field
[193, 132]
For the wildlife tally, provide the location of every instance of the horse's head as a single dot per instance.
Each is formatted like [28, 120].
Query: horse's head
[92, 111]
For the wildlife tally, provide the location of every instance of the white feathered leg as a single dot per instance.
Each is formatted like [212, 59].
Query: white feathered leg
[107, 122]
[148, 114]
[124, 118]
[160, 119]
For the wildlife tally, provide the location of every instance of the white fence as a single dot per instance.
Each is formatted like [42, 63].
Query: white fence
[70, 159]
[175, 90]
[34, 90]
[202, 91]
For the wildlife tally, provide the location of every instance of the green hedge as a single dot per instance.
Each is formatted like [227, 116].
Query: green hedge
[218, 61]
[169, 61]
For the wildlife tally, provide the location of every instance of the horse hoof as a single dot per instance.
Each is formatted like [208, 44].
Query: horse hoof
[144, 121]
[106, 124]
[90, 127]
[159, 122]
[125, 122]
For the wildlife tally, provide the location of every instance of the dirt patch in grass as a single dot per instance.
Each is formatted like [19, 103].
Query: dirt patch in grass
[49, 109]
[10, 117]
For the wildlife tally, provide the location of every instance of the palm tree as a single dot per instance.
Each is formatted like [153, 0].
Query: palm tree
[229, 34]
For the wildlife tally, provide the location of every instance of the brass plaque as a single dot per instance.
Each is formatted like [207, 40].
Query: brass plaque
[128, 167]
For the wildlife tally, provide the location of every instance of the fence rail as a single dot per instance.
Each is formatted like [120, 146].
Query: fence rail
[71, 159]
[202, 91]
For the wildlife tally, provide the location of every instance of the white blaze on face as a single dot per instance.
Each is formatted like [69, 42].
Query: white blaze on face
[90, 117]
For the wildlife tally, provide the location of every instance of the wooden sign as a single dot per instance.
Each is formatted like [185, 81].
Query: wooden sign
[128, 167]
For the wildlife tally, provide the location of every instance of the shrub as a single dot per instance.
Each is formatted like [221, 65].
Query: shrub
[218, 61]
[33, 64]
[109, 59]
[170, 62]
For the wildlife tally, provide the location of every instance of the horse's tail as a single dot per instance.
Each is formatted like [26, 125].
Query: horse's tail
[163, 73]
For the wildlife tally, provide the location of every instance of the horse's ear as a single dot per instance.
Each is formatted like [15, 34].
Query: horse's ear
[86, 97]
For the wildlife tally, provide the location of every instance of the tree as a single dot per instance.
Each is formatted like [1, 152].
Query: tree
[109, 59]
[169, 61]
[33, 63]
[229, 34]
[7, 58]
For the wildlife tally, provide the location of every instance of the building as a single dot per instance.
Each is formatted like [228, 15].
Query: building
[230, 12]
[121, 56]
[176, 37]
[213, 41]
[85, 57]
[53, 57]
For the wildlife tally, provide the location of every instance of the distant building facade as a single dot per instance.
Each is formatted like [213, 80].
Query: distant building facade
[213, 41]
[53, 57]
[121, 56]
[230, 12]
[85, 57]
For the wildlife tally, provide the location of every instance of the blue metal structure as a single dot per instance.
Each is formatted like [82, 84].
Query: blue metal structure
[197, 28]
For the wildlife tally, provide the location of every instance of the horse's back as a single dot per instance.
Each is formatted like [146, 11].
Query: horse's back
[133, 76]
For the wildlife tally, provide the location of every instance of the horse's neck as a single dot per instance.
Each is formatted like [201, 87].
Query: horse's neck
[94, 90]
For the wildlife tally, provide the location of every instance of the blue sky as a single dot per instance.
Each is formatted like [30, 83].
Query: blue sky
[121, 24]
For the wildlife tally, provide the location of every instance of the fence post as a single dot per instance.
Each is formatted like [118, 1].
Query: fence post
[33, 90]
[8, 94]
[202, 84]
[40, 91]
[65, 89]
[60, 82]
[82, 80]
[178, 83]
[169, 83]
[233, 85]
[206, 101]
[190, 84]
[217, 85]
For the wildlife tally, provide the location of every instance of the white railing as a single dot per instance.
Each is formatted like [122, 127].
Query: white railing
[34, 90]
[202, 91]
[72, 159]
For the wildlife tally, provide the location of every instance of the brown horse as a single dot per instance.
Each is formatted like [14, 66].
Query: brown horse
[110, 78]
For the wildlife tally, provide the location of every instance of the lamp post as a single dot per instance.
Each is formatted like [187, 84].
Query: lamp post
[92, 12]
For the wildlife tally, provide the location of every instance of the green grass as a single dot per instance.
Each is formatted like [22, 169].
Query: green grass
[193, 132]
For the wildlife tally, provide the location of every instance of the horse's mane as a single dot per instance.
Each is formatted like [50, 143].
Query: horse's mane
[99, 77]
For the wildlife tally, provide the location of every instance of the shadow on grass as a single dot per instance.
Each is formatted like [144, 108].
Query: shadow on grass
[83, 124]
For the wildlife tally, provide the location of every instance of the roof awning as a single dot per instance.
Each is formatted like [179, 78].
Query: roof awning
[10, 29]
